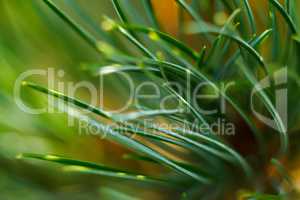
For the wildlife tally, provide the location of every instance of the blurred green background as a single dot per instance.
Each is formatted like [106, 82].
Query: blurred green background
[33, 37]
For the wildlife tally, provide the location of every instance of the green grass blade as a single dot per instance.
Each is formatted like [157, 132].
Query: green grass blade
[254, 43]
[144, 114]
[66, 161]
[91, 40]
[181, 23]
[129, 35]
[148, 6]
[227, 5]
[111, 193]
[201, 59]
[68, 99]
[119, 11]
[282, 171]
[190, 11]
[156, 35]
[72, 165]
[199, 21]
[285, 15]
[151, 13]
[250, 49]
[90, 21]
[276, 36]
[193, 110]
[112, 25]
[287, 4]
[296, 38]
[146, 159]
[106, 70]
[230, 20]
[215, 54]
[250, 17]
[214, 50]
[134, 41]
[195, 30]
